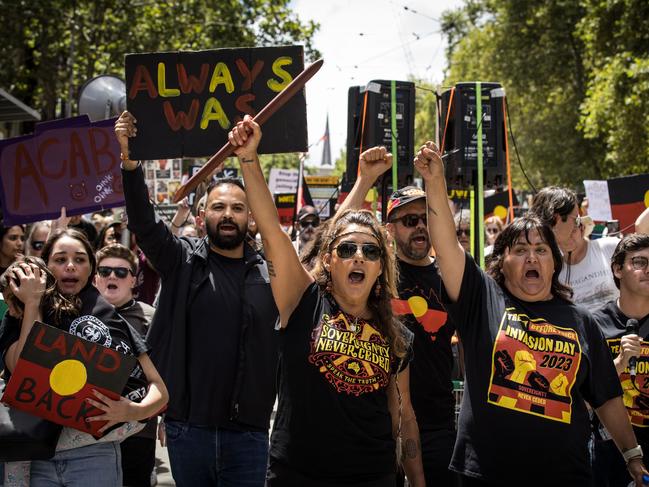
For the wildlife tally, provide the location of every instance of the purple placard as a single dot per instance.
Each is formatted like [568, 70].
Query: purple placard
[70, 162]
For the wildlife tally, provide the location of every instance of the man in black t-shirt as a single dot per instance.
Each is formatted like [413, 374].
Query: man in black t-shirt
[630, 266]
[419, 307]
[212, 336]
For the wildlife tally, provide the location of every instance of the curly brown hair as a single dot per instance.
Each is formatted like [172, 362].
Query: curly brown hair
[53, 303]
[381, 305]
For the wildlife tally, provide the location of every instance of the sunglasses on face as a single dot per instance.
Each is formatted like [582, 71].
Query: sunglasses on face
[411, 220]
[309, 223]
[37, 244]
[461, 231]
[640, 263]
[347, 250]
[120, 272]
[492, 230]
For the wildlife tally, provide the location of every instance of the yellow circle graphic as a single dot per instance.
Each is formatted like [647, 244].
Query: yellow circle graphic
[418, 305]
[646, 199]
[68, 377]
[501, 212]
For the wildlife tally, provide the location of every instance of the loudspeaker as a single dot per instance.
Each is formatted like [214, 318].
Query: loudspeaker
[378, 127]
[460, 137]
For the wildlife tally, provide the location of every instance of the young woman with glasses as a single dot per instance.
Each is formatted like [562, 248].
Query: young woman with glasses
[344, 375]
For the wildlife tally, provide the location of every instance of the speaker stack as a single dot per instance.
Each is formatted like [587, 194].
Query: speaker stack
[458, 129]
[376, 129]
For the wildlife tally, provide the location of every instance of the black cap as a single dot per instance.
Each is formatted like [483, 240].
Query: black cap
[306, 211]
[404, 196]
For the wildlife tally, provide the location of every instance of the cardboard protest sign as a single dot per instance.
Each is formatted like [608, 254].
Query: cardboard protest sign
[285, 204]
[629, 196]
[57, 371]
[70, 162]
[185, 103]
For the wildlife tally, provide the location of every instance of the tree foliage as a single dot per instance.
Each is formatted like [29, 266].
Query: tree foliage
[49, 49]
[575, 73]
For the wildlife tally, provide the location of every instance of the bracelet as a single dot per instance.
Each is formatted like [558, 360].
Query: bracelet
[632, 453]
[182, 224]
[123, 157]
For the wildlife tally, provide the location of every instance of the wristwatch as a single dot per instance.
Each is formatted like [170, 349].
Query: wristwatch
[631, 453]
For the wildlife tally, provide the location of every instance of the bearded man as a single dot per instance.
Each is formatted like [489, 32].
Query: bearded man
[212, 336]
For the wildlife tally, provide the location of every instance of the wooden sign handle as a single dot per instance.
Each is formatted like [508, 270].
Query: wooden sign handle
[226, 151]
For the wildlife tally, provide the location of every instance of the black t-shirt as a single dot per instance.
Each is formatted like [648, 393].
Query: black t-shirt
[333, 426]
[213, 341]
[97, 322]
[612, 322]
[420, 308]
[529, 368]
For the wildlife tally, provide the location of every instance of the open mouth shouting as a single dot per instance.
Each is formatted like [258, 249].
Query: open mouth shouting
[356, 276]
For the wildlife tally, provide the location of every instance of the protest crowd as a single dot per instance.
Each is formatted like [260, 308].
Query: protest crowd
[349, 350]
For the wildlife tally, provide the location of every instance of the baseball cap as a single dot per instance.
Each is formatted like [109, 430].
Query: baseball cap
[305, 211]
[404, 196]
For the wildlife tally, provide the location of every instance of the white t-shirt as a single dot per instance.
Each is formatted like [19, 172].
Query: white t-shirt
[592, 279]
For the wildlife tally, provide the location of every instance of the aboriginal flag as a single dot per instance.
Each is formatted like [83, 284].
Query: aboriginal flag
[57, 371]
[498, 204]
[629, 196]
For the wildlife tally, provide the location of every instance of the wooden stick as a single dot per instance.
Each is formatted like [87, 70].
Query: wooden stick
[226, 151]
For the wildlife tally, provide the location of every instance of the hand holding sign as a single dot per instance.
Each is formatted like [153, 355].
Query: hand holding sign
[115, 412]
[125, 128]
[245, 137]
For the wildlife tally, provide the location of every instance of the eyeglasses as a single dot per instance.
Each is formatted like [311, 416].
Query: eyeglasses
[37, 244]
[639, 263]
[309, 223]
[411, 220]
[347, 250]
[120, 272]
[492, 230]
[464, 231]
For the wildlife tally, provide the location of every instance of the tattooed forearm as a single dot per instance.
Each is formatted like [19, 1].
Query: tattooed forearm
[271, 269]
[410, 448]
[431, 210]
[244, 159]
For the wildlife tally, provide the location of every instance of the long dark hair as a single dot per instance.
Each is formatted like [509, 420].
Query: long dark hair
[53, 303]
[509, 236]
[381, 305]
[76, 235]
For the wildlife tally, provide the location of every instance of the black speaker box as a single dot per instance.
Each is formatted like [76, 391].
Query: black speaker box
[460, 142]
[378, 127]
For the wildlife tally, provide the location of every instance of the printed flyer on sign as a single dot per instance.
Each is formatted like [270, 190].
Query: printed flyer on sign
[534, 367]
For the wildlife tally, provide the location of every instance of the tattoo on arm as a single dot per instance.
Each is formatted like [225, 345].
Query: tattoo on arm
[271, 269]
[410, 449]
[430, 209]
[243, 159]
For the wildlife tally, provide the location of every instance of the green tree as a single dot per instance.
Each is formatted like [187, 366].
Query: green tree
[535, 50]
[49, 49]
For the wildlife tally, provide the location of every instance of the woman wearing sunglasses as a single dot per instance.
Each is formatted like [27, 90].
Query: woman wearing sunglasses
[83, 312]
[533, 359]
[115, 280]
[343, 375]
[37, 237]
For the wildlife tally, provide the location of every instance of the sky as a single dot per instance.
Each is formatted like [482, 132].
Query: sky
[362, 40]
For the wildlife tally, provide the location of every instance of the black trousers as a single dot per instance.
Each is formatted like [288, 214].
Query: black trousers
[138, 460]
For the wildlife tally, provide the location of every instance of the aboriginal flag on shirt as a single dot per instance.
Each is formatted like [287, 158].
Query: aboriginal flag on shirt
[419, 308]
